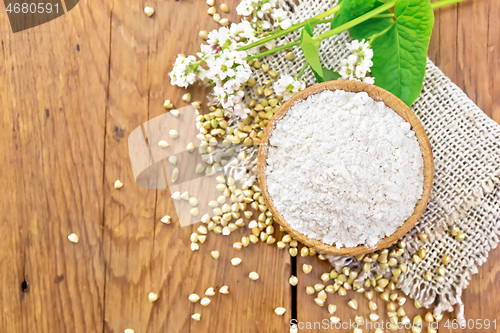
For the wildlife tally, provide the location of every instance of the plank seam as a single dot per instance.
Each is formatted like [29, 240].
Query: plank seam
[104, 171]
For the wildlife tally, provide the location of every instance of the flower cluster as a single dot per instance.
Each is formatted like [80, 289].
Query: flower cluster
[257, 12]
[281, 18]
[186, 71]
[224, 65]
[358, 64]
[287, 86]
[228, 71]
[229, 38]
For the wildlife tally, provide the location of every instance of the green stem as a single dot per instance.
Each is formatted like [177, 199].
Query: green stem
[270, 38]
[384, 15]
[442, 3]
[197, 64]
[302, 70]
[373, 13]
[356, 21]
[279, 29]
[329, 12]
[330, 33]
[276, 49]
[434, 5]
[324, 21]
[294, 27]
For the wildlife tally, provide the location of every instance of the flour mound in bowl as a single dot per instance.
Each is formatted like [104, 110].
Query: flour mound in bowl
[344, 169]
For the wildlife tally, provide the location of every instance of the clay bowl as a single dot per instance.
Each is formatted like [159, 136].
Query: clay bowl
[392, 102]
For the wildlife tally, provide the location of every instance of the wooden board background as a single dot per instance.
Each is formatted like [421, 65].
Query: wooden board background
[70, 93]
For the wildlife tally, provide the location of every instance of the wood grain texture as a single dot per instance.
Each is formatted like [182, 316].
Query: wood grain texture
[130, 212]
[52, 173]
[71, 92]
[144, 255]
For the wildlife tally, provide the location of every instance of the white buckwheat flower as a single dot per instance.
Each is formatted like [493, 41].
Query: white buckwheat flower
[257, 11]
[267, 7]
[245, 8]
[266, 25]
[219, 39]
[359, 47]
[287, 86]
[228, 71]
[186, 70]
[281, 18]
[243, 33]
[207, 52]
[358, 64]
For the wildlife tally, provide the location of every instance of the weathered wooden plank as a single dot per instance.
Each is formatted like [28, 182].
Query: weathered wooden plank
[470, 52]
[434, 49]
[12, 248]
[444, 51]
[477, 62]
[474, 75]
[249, 306]
[52, 181]
[129, 212]
[176, 271]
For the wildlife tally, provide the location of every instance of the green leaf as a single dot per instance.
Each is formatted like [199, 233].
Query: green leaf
[311, 49]
[349, 10]
[310, 24]
[371, 27]
[400, 50]
[330, 75]
[319, 78]
[311, 53]
[338, 18]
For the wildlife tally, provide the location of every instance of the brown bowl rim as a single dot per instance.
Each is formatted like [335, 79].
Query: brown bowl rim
[378, 94]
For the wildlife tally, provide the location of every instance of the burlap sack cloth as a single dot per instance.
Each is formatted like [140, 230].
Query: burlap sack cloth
[466, 192]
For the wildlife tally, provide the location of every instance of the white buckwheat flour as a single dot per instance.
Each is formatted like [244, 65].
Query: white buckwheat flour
[344, 169]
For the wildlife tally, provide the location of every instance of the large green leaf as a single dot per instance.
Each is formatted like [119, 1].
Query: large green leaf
[400, 48]
[373, 26]
[350, 9]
